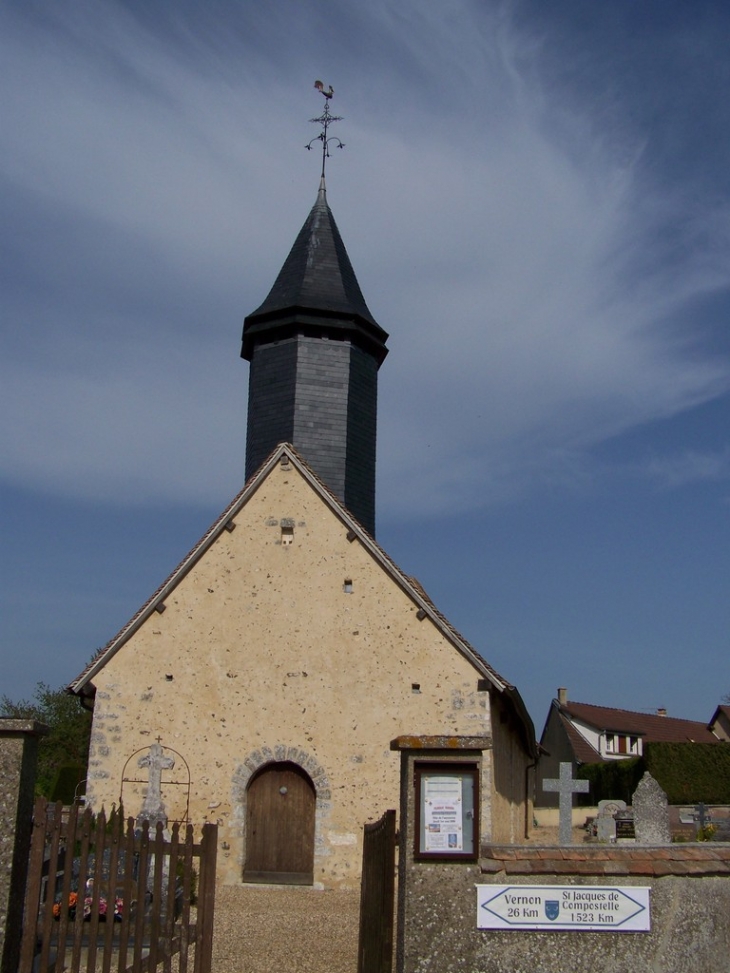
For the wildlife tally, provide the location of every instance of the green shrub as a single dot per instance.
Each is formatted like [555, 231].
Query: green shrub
[616, 780]
[687, 772]
[691, 772]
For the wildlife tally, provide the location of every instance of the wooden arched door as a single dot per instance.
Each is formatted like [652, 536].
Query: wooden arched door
[280, 807]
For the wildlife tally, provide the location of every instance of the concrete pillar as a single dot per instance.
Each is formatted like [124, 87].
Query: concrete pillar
[18, 757]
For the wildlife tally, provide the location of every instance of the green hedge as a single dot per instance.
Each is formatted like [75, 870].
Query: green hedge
[691, 772]
[687, 772]
[616, 780]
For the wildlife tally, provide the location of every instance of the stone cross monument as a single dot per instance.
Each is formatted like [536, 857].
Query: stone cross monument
[566, 786]
[153, 808]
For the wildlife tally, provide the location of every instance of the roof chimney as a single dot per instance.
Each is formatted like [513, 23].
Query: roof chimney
[661, 711]
[562, 695]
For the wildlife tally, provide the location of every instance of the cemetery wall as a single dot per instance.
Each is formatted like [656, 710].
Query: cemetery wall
[690, 911]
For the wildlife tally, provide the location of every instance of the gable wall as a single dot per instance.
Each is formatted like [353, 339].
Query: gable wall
[557, 749]
[271, 659]
[721, 726]
[588, 732]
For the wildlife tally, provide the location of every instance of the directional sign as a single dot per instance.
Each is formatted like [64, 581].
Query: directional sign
[601, 908]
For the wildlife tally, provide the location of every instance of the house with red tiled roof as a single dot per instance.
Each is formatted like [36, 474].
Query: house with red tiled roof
[583, 733]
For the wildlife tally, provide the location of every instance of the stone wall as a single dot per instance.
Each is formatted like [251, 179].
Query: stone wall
[18, 753]
[266, 651]
[690, 911]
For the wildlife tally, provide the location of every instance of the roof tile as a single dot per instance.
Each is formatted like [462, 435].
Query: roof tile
[653, 728]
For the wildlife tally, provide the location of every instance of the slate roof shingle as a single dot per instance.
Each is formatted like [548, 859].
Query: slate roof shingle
[316, 286]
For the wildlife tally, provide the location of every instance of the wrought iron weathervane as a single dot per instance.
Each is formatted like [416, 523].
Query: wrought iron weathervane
[325, 120]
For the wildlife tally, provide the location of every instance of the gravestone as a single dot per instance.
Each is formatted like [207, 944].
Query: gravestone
[701, 816]
[606, 828]
[606, 821]
[625, 830]
[703, 819]
[566, 786]
[722, 830]
[611, 807]
[651, 813]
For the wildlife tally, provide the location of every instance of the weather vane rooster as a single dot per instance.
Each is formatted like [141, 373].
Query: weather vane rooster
[325, 120]
[320, 87]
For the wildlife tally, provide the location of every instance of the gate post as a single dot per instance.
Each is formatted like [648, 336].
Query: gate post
[206, 899]
[442, 806]
[18, 756]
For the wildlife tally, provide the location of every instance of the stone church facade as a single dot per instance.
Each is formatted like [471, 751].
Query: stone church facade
[261, 685]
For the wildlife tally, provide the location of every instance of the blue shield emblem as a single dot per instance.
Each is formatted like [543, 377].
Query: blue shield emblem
[552, 908]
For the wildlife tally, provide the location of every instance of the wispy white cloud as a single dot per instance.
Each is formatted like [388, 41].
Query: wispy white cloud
[530, 265]
[689, 466]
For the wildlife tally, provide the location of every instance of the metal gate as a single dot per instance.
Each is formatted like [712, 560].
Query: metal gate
[375, 950]
[102, 897]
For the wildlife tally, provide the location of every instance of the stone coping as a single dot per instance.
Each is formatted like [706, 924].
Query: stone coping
[411, 742]
[13, 727]
[700, 859]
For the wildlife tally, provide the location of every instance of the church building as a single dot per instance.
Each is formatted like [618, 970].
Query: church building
[261, 684]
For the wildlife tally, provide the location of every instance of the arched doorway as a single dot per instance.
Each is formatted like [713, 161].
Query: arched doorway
[280, 808]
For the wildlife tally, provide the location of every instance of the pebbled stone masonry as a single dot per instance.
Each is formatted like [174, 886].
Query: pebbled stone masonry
[18, 754]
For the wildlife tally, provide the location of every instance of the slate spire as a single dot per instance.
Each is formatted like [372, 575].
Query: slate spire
[315, 350]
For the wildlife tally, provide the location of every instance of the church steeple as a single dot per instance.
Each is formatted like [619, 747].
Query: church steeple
[315, 350]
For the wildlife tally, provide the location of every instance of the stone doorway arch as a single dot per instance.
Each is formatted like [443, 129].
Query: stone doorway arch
[280, 823]
[253, 765]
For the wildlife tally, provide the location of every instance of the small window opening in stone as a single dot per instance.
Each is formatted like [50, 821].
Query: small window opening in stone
[287, 535]
[347, 586]
[415, 687]
[168, 676]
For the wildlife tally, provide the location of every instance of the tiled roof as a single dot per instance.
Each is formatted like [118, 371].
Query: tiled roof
[707, 858]
[583, 751]
[653, 728]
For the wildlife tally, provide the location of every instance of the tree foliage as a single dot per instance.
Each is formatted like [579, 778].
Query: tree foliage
[63, 753]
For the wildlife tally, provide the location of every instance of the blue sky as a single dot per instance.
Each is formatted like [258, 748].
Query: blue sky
[535, 200]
